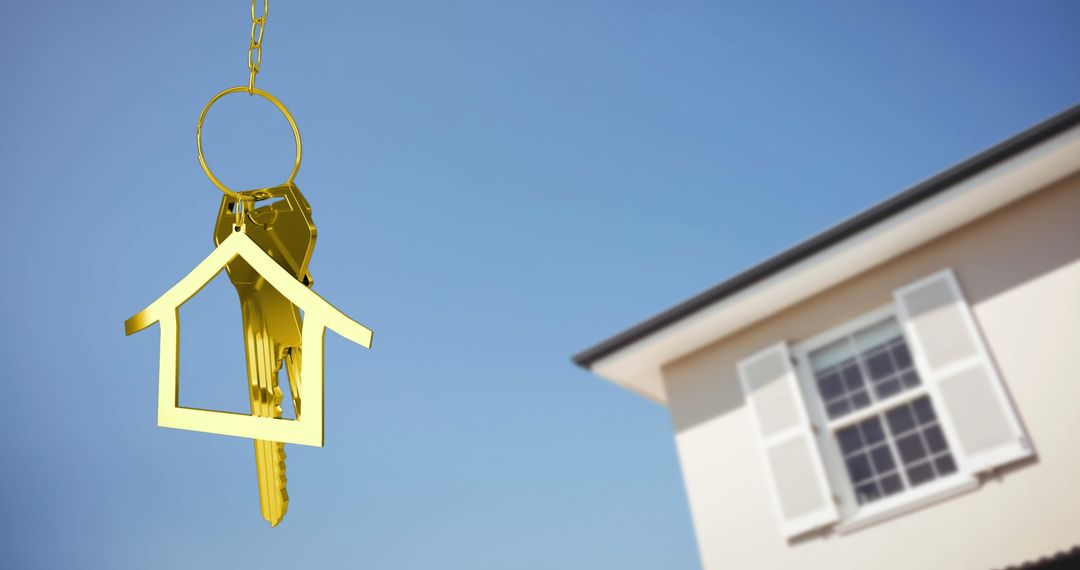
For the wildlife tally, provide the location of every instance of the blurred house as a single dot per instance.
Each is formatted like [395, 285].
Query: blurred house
[900, 391]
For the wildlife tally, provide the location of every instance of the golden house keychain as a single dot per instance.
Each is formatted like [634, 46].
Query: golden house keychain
[265, 250]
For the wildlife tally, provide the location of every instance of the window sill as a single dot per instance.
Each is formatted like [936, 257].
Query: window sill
[912, 500]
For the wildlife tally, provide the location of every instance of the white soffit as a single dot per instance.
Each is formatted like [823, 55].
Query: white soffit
[637, 366]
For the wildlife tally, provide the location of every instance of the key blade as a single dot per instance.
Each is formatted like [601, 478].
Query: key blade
[270, 465]
[264, 356]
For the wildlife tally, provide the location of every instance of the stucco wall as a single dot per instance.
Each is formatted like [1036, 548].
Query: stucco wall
[1020, 270]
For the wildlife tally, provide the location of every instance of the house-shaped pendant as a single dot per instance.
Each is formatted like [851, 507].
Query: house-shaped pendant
[318, 316]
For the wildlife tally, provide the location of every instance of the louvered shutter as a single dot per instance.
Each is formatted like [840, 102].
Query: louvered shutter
[793, 462]
[955, 362]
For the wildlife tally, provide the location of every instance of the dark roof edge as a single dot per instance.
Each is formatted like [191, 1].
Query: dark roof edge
[884, 210]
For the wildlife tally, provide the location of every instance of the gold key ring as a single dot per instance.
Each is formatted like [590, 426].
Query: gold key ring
[264, 95]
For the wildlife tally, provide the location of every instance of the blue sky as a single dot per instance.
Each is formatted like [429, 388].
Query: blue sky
[496, 185]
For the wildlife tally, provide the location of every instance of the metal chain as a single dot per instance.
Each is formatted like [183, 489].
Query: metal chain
[258, 27]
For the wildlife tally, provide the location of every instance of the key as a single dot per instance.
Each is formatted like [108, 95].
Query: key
[282, 226]
[272, 325]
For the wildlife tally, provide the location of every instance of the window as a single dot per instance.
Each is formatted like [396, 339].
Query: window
[890, 412]
[879, 415]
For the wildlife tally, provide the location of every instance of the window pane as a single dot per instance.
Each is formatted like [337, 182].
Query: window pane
[849, 440]
[902, 355]
[838, 408]
[923, 411]
[831, 354]
[859, 468]
[880, 364]
[945, 465]
[877, 334]
[920, 474]
[892, 484]
[911, 448]
[853, 379]
[871, 431]
[900, 420]
[883, 459]
[830, 387]
[867, 493]
[935, 440]
[860, 399]
[888, 388]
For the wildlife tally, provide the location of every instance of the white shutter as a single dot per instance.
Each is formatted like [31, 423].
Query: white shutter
[955, 363]
[793, 462]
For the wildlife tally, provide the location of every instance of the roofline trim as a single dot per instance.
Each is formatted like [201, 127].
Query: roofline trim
[836, 234]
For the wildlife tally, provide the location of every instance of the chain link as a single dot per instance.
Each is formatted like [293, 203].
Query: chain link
[258, 27]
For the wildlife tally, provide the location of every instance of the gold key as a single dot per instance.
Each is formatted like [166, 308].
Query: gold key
[283, 228]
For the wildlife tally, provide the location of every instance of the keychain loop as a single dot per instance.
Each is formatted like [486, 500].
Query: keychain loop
[264, 95]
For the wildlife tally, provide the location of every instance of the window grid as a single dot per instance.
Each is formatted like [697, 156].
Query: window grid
[921, 445]
[845, 383]
[888, 367]
[871, 460]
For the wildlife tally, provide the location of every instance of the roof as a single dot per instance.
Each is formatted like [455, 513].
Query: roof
[239, 244]
[843, 231]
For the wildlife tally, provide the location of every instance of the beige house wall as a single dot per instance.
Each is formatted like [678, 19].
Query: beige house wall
[1020, 270]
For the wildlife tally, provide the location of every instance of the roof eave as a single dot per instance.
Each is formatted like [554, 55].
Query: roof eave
[1002, 158]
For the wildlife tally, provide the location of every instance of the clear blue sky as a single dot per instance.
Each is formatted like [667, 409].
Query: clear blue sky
[497, 185]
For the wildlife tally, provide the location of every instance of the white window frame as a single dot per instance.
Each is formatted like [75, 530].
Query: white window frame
[854, 516]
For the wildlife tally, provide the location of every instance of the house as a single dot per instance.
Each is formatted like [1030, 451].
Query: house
[318, 316]
[899, 391]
